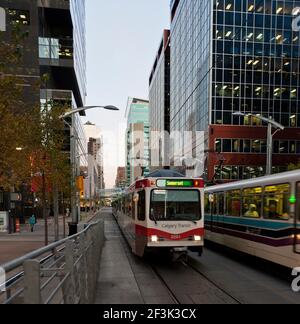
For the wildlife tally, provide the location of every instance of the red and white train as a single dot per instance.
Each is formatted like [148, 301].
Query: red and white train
[163, 213]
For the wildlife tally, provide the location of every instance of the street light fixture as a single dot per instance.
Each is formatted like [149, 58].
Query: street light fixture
[77, 110]
[271, 123]
[71, 113]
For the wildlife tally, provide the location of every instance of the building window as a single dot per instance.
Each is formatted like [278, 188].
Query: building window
[20, 17]
[258, 146]
[53, 48]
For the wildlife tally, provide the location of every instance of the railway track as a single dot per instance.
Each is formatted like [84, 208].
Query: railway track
[189, 263]
[178, 294]
[182, 286]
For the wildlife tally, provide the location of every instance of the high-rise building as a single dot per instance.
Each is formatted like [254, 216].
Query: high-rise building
[95, 150]
[54, 47]
[159, 104]
[228, 56]
[121, 178]
[137, 139]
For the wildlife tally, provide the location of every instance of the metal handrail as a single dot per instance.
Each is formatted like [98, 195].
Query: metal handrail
[9, 266]
[68, 273]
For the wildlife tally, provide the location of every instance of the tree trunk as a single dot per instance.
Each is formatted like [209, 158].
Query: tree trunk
[45, 216]
[56, 212]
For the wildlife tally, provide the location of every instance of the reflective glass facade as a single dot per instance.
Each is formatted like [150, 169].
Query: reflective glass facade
[236, 55]
[78, 14]
[137, 115]
[190, 68]
[255, 61]
[159, 101]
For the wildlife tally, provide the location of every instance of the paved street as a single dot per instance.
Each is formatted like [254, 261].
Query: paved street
[13, 246]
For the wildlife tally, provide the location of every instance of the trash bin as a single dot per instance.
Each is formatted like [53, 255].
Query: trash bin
[72, 229]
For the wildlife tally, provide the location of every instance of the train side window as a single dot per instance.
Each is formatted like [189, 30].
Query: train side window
[215, 205]
[128, 205]
[221, 206]
[142, 206]
[132, 207]
[233, 202]
[276, 202]
[207, 204]
[252, 202]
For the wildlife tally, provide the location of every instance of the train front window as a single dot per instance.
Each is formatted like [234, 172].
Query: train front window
[175, 205]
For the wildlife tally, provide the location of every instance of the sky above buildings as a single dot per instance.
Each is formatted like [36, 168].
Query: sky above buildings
[123, 37]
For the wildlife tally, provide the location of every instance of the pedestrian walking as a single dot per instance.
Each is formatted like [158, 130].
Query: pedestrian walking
[32, 222]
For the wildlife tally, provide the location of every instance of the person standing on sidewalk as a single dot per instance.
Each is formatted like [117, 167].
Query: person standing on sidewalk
[32, 222]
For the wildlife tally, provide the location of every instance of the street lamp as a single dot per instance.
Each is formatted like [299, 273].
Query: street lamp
[77, 110]
[71, 113]
[271, 123]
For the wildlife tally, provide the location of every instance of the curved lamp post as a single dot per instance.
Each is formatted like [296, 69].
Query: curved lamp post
[71, 113]
[271, 124]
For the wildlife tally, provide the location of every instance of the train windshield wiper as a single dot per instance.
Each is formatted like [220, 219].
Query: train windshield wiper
[154, 218]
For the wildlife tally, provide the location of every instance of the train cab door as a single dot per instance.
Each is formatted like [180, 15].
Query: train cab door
[297, 221]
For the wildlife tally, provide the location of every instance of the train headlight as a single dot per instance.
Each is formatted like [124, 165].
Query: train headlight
[154, 238]
[197, 238]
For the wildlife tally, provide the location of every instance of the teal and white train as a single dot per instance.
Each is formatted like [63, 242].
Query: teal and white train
[260, 217]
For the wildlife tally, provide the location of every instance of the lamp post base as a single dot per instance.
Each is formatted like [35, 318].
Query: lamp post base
[73, 229]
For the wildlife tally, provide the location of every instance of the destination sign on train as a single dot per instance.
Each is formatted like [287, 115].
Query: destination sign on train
[175, 183]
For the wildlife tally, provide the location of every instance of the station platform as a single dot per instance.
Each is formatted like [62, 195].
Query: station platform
[124, 278]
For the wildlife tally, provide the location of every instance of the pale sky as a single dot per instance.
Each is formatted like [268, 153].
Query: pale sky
[123, 37]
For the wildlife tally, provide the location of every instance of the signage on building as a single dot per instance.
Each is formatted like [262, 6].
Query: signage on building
[80, 186]
[4, 222]
[2, 19]
[296, 20]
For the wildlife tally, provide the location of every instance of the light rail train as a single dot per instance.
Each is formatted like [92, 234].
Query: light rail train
[260, 217]
[164, 211]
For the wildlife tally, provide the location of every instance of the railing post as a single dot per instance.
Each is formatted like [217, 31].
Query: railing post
[83, 268]
[69, 286]
[32, 282]
[90, 261]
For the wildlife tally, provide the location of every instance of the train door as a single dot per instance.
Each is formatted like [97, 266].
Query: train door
[221, 211]
[217, 211]
[297, 221]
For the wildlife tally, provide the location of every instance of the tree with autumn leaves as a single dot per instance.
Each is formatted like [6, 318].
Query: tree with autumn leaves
[32, 138]
[14, 133]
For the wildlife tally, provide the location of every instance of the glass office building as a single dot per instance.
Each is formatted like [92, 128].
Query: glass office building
[77, 8]
[137, 138]
[236, 55]
[159, 103]
[55, 46]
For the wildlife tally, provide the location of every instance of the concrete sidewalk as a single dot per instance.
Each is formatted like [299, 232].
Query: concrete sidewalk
[124, 278]
[15, 245]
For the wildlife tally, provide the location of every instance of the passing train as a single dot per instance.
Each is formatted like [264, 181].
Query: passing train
[162, 212]
[260, 217]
